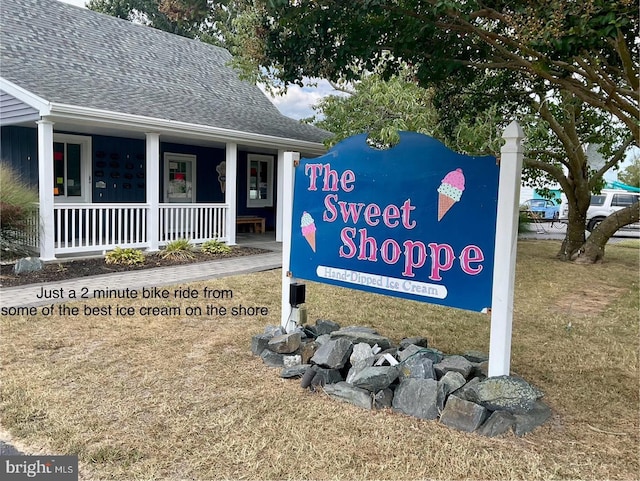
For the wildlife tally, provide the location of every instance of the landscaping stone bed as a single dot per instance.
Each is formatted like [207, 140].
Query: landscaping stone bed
[359, 366]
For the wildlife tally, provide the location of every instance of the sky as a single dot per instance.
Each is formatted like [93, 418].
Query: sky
[296, 103]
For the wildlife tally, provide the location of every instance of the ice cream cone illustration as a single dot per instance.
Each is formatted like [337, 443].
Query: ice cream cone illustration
[450, 191]
[308, 227]
[222, 175]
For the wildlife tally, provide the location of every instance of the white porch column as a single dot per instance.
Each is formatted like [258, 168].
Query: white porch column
[152, 189]
[230, 195]
[45, 189]
[280, 189]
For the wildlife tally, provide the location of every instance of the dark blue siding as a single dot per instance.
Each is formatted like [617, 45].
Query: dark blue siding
[19, 148]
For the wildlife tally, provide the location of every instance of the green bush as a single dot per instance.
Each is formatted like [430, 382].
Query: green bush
[128, 256]
[178, 249]
[18, 213]
[213, 246]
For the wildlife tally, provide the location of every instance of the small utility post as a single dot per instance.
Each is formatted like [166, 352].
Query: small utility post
[504, 270]
[290, 159]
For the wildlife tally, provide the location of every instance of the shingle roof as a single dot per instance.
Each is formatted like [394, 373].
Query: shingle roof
[75, 56]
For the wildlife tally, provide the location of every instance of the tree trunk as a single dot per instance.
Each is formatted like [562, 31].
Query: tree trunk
[574, 238]
[593, 249]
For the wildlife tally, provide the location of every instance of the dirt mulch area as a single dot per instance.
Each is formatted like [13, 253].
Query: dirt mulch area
[57, 271]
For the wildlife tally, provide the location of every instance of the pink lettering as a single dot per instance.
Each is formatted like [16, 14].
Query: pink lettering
[370, 242]
[393, 256]
[468, 255]
[315, 170]
[406, 213]
[391, 212]
[346, 236]
[372, 210]
[347, 178]
[330, 213]
[412, 261]
[439, 263]
[350, 209]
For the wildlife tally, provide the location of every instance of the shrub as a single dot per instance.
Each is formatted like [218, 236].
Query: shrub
[128, 256]
[213, 246]
[178, 249]
[18, 211]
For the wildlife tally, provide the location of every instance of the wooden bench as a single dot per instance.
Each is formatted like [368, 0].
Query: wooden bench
[257, 223]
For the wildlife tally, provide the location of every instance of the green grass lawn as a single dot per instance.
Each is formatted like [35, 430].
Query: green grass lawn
[151, 397]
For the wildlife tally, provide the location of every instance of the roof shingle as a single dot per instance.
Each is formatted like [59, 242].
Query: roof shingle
[75, 56]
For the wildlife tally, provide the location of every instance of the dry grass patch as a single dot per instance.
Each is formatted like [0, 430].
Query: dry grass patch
[180, 398]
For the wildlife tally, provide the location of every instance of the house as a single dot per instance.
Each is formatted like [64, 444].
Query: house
[135, 136]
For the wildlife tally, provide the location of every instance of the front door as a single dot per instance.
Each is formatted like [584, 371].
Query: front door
[179, 178]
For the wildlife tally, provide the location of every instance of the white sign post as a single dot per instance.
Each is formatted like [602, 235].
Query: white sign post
[504, 270]
[290, 160]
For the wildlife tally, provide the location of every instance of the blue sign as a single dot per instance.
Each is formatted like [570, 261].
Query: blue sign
[416, 221]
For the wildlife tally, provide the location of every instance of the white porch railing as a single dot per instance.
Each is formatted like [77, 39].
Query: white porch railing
[195, 222]
[96, 227]
[99, 227]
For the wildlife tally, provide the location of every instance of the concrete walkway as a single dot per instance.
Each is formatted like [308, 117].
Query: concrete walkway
[27, 295]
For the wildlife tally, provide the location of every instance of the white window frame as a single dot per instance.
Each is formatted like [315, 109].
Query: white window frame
[173, 157]
[85, 168]
[269, 159]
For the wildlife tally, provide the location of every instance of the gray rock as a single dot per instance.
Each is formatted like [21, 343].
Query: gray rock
[307, 350]
[326, 376]
[290, 361]
[416, 341]
[361, 358]
[463, 415]
[480, 369]
[450, 382]
[323, 339]
[285, 343]
[272, 331]
[383, 399]
[475, 356]
[333, 354]
[466, 391]
[498, 423]
[413, 350]
[527, 422]
[504, 393]
[272, 359]
[357, 335]
[347, 393]
[294, 371]
[375, 379]
[453, 363]
[259, 343]
[325, 326]
[419, 366]
[361, 351]
[28, 264]
[417, 397]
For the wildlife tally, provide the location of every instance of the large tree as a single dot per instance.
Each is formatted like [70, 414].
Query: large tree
[586, 48]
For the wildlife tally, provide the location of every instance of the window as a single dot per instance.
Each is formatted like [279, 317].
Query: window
[259, 181]
[624, 200]
[70, 168]
[598, 199]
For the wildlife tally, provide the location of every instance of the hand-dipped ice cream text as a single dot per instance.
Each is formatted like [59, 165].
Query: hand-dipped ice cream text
[358, 243]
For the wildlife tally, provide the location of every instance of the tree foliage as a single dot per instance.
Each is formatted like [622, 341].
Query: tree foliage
[586, 48]
[631, 174]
